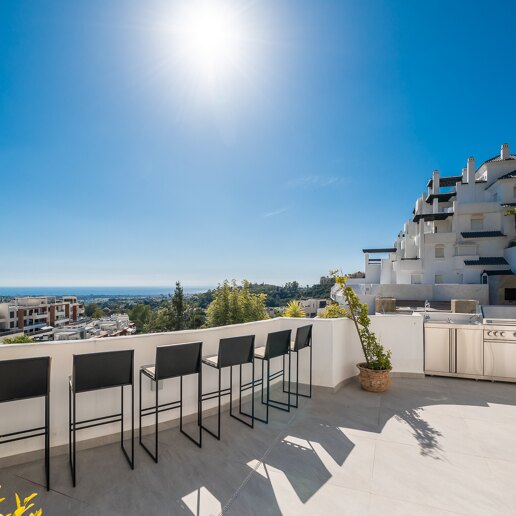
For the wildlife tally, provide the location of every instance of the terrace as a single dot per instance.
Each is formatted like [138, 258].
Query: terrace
[427, 446]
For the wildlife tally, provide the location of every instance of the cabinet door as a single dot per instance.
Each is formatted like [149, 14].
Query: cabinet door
[437, 350]
[500, 359]
[470, 351]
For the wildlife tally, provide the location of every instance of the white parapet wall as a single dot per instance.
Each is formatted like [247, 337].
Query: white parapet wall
[336, 351]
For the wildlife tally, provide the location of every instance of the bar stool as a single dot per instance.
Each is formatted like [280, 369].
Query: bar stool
[173, 361]
[303, 340]
[22, 379]
[277, 345]
[95, 371]
[233, 351]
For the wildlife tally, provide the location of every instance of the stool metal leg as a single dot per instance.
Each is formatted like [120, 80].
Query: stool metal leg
[277, 404]
[199, 387]
[129, 460]
[47, 439]
[251, 424]
[154, 456]
[72, 434]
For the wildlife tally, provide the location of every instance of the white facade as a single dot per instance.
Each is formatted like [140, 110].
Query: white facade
[458, 231]
[312, 307]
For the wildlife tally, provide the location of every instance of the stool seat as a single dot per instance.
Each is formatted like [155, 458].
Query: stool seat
[211, 361]
[150, 370]
[259, 352]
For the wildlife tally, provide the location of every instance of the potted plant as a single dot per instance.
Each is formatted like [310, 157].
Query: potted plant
[374, 373]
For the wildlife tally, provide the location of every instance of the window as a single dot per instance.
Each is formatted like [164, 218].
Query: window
[477, 222]
[415, 279]
[510, 294]
[439, 251]
[439, 279]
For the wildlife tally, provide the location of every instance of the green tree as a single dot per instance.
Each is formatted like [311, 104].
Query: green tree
[91, 309]
[233, 304]
[141, 315]
[178, 308]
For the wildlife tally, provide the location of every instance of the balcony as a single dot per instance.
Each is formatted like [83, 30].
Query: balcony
[427, 446]
[440, 238]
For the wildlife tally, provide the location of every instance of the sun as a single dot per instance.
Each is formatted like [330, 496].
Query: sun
[209, 38]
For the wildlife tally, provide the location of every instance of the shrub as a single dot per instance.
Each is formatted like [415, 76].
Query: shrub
[22, 508]
[334, 311]
[18, 339]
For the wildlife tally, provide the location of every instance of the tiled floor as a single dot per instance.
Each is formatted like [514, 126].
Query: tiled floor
[430, 446]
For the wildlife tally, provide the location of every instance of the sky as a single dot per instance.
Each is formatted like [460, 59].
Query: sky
[128, 159]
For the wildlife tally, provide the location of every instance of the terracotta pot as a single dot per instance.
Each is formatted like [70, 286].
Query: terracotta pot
[374, 380]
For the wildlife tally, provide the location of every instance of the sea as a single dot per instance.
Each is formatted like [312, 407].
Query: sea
[82, 292]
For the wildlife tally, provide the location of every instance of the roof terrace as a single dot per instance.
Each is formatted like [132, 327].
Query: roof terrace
[428, 446]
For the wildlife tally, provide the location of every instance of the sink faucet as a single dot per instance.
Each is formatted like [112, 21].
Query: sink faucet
[427, 306]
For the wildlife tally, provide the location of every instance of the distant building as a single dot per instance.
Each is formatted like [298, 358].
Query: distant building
[459, 243]
[312, 307]
[116, 325]
[38, 314]
[327, 280]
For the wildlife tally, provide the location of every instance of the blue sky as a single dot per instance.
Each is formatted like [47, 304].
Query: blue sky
[118, 166]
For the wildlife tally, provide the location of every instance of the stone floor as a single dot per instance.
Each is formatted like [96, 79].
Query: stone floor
[432, 446]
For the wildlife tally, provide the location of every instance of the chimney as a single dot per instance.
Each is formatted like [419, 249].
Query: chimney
[435, 182]
[470, 170]
[504, 151]
[464, 175]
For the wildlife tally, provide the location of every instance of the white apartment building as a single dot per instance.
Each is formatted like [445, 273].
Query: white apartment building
[313, 307]
[459, 242]
[37, 314]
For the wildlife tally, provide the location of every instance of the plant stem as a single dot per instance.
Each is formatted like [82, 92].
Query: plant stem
[352, 312]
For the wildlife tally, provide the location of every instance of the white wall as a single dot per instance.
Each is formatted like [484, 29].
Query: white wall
[336, 350]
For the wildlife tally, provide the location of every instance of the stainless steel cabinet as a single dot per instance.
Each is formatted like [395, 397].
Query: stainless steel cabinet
[437, 350]
[500, 359]
[469, 351]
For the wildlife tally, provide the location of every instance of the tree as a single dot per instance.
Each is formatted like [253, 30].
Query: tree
[294, 310]
[90, 309]
[141, 315]
[178, 307]
[233, 304]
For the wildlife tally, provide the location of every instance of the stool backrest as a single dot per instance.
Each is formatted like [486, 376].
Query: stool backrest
[24, 378]
[92, 371]
[278, 344]
[178, 360]
[303, 337]
[236, 350]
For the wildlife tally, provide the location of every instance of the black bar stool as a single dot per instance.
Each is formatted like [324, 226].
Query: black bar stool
[173, 361]
[233, 351]
[303, 340]
[277, 345]
[95, 371]
[23, 379]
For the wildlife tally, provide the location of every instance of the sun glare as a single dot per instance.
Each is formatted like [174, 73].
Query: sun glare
[209, 38]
